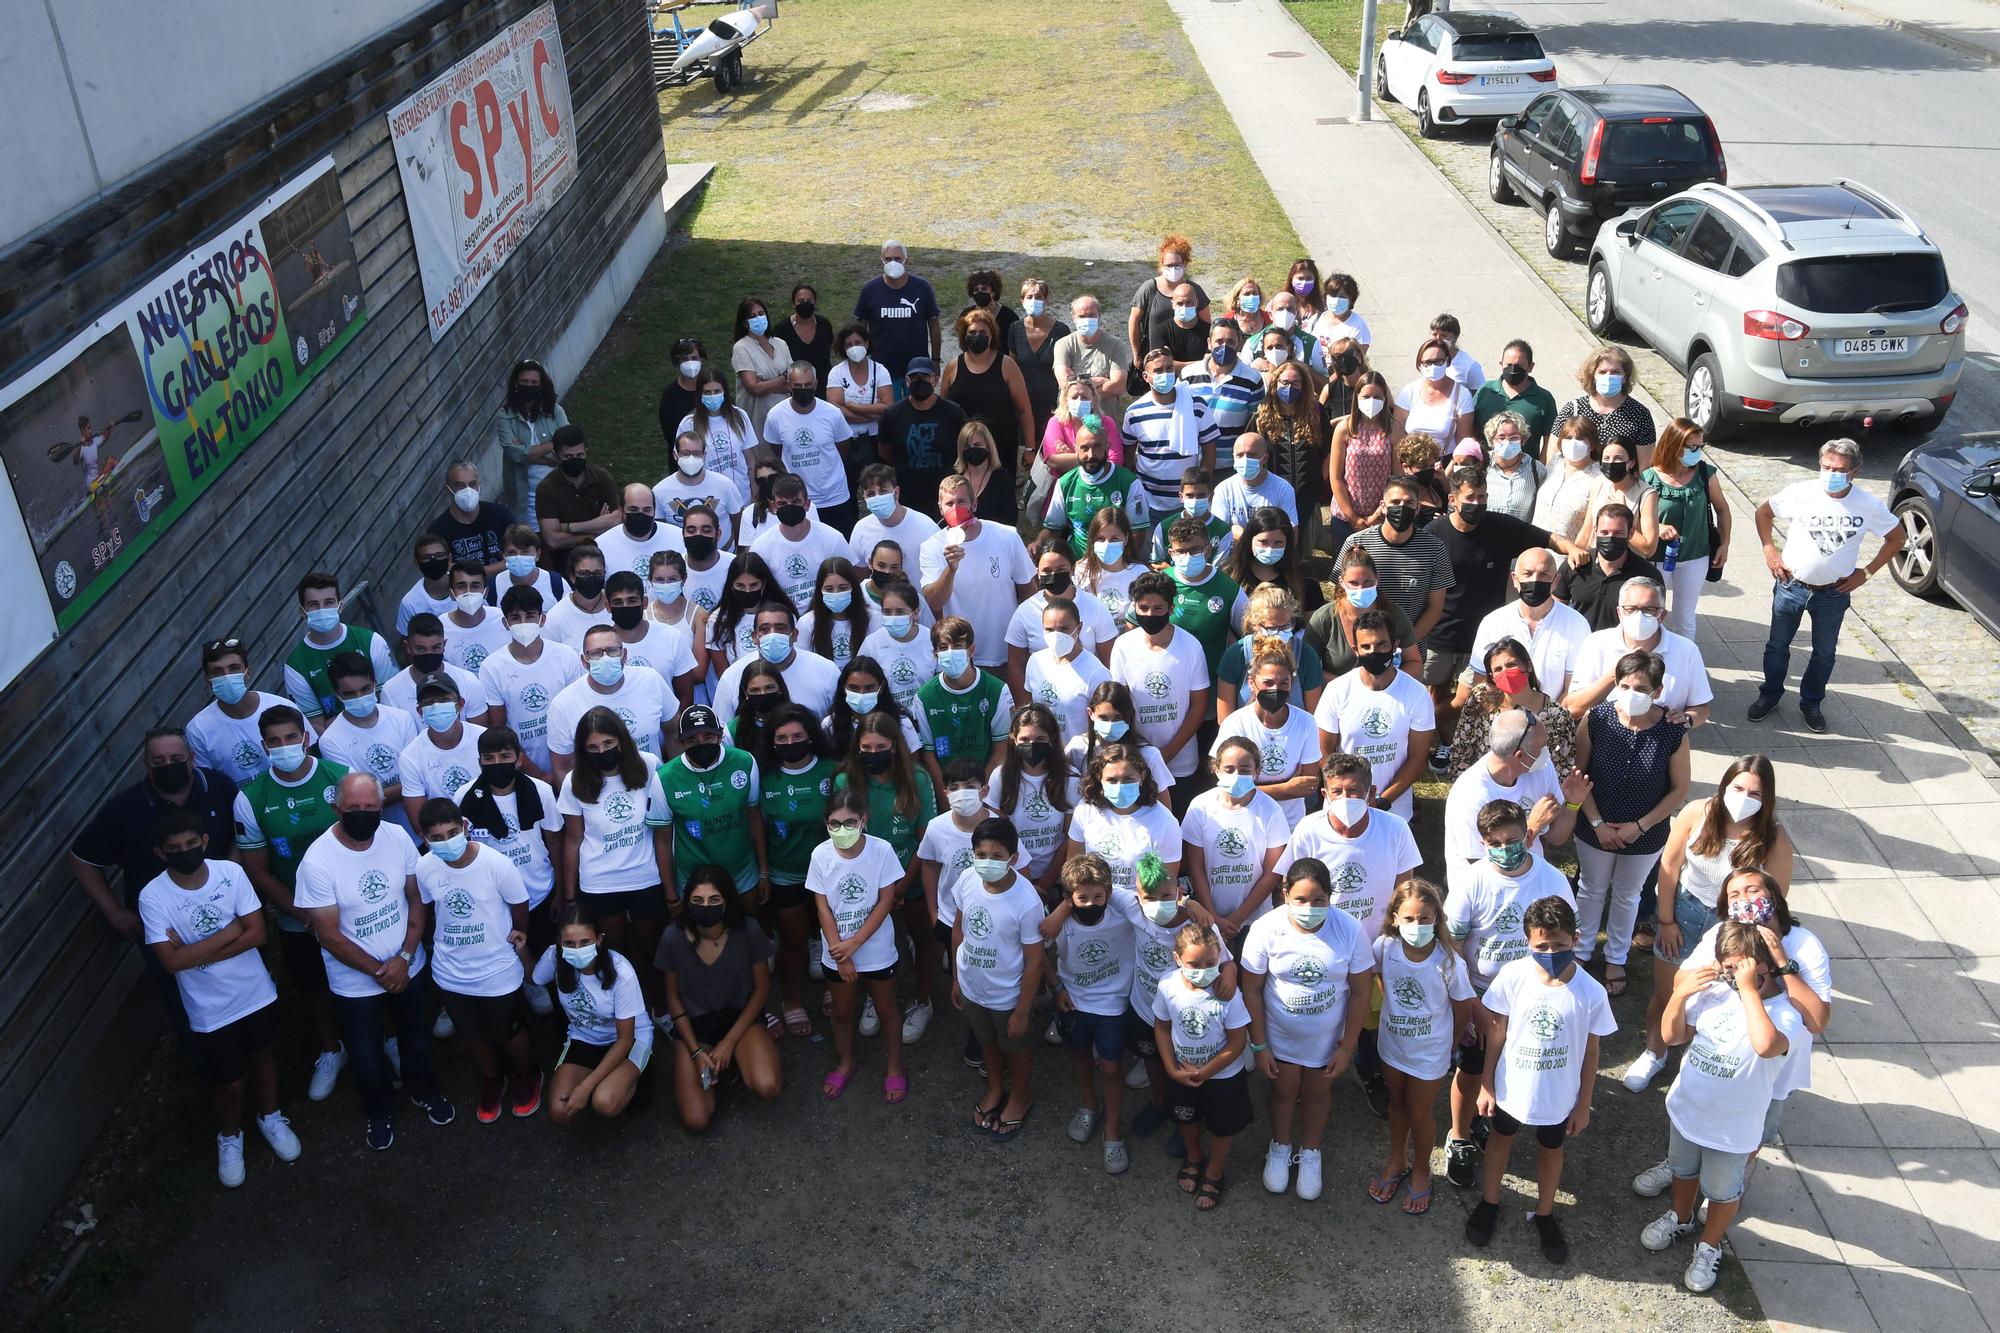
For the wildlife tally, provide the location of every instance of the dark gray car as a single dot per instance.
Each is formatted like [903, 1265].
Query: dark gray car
[1944, 495]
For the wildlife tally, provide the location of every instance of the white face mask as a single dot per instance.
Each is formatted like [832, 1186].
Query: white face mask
[1347, 809]
[857, 353]
[964, 801]
[1370, 407]
[1060, 642]
[1639, 624]
[1173, 272]
[1740, 805]
[893, 269]
[469, 603]
[525, 632]
[1576, 450]
[1631, 701]
[466, 498]
[1285, 320]
[689, 464]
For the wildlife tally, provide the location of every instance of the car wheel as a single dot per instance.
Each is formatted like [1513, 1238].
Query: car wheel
[1599, 311]
[1426, 127]
[1382, 93]
[1915, 566]
[736, 69]
[1555, 237]
[1497, 184]
[721, 76]
[1704, 403]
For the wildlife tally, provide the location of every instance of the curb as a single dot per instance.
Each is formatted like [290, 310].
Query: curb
[1935, 36]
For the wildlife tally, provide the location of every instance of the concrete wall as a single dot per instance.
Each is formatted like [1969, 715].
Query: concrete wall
[341, 481]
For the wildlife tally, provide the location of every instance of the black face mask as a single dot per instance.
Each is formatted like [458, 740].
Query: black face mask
[1615, 469]
[360, 825]
[1346, 365]
[627, 617]
[976, 341]
[702, 915]
[1036, 752]
[791, 515]
[428, 663]
[1374, 663]
[977, 455]
[187, 860]
[882, 578]
[802, 395]
[607, 761]
[435, 566]
[1514, 374]
[500, 773]
[982, 299]
[763, 703]
[738, 598]
[1152, 624]
[791, 752]
[805, 309]
[1534, 592]
[1400, 517]
[640, 526]
[1471, 512]
[1088, 916]
[572, 467]
[703, 754]
[1613, 548]
[588, 586]
[877, 761]
[1057, 581]
[1272, 700]
[699, 548]
[172, 777]
[920, 389]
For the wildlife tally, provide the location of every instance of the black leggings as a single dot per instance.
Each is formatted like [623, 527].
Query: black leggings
[1549, 1136]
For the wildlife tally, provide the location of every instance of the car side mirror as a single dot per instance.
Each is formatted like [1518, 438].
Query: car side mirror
[1980, 485]
[1510, 122]
[1393, 37]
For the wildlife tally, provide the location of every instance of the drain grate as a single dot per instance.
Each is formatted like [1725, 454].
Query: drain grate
[1286, 55]
[1333, 120]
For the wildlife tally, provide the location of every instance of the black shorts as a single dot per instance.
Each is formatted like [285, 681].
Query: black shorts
[1221, 1106]
[1141, 1036]
[491, 1019]
[304, 963]
[640, 904]
[785, 897]
[712, 1028]
[879, 974]
[1469, 1058]
[224, 1054]
[584, 1055]
[1549, 1136]
[541, 928]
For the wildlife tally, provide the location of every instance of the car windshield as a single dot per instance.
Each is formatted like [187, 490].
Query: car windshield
[1673, 143]
[1857, 284]
[1497, 46]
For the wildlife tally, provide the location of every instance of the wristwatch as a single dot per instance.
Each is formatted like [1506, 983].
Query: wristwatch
[1597, 823]
[1790, 969]
[409, 959]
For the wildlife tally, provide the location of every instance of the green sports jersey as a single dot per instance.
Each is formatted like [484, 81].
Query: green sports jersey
[310, 662]
[902, 832]
[960, 726]
[1080, 501]
[1202, 610]
[285, 820]
[795, 818]
[710, 812]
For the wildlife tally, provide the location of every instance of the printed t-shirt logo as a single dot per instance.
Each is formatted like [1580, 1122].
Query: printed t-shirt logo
[1231, 842]
[1274, 758]
[704, 599]
[1093, 952]
[902, 673]
[475, 654]
[1157, 684]
[1351, 878]
[455, 777]
[851, 889]
[326, 794]
[962, 859]
[618, 807]
[1110, 844]
[739, 779]
[534, 699]
[1308, 972]
[1376, 722]
[795, 566]
[631, 721]
[382, 759]
[374, 886]
[1545, 1023]
[459, 903]
[1037, 806]
[247, 757]
[205, 918]
[1158, 959]
[1194, 1022]
[1509, 920]
[580, 1001]
[979, 923]
[1409, 994]
[1215, 606]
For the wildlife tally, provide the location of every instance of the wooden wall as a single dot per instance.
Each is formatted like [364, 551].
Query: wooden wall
[341, 481]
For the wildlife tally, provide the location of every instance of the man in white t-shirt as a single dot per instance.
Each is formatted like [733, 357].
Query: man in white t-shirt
[445, 754]
[1379, 712]
[523, 679]
[976, 570]
[806, 431]
[424, 646]
[884, 517]
[1552, 632]
[368, 736]
[1515, 768]
[432, 590]
[1369, 852]
[692, 483]
[583, 605]
[639, 695]
[799, 543]
[472, 628]
[1166, 669]
[1685, 692]
[632, 544]
[1818, 570]
[224, 735]
[809, 678]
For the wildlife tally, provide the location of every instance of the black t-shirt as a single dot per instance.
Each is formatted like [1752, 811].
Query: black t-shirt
[121, 833]
[1480, 562]
[817, 350]
[721, 987]
[922, 447]
[999, 502]
[479, 541]
[676, 406]
[898, 320]
[1156, 323]
[1593, 594]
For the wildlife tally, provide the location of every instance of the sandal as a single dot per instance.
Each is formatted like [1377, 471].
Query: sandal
[1188, 1176]
[1006, 1131]
[797, 1023]
[1382, 1189]
[773, 1026]
[1418, 1203]
[835, 1084]
[1614, 986]
[895, 1088]
[1643, 936]
[983, 1118]
[1208, 1196]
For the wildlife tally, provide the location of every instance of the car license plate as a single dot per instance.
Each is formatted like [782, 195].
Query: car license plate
[1872, 346]
[1499, 80]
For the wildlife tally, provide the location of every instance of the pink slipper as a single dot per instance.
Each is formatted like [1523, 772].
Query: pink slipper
[835, 1084]
[895, 1088]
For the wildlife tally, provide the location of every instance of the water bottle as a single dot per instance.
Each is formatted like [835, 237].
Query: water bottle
[1673, 557]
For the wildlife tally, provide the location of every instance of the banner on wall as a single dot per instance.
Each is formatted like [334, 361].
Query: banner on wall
[107, 442]
[484, 150]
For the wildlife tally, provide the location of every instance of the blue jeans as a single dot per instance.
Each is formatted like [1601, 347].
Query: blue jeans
[1791, 601]
[363, 1025]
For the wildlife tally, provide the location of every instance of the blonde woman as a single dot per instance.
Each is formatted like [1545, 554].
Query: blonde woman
[992, 485]
[1031, 342]
[1079, 402]
[1246, 306]
[1607, 377]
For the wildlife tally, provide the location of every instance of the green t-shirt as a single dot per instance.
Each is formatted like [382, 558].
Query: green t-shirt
[795, 818]
[901, 832]
[285, 820]
[1218, 540]
[962, 726]
[1080, 501]
[1686, 508]
[310, 661]
[1202, 610]
[1536, 405]
[710, 812]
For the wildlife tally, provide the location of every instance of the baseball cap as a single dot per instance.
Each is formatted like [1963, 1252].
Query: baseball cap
[697, 718]
[920, 365]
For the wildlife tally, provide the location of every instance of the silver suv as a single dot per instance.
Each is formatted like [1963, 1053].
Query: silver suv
[1785, 303]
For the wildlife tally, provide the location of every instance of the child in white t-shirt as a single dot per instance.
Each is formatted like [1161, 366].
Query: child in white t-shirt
[997, 959]
[1093, 990]
[856, 879]
[1427, 1001]
[608, 1040]
[1203, 1039]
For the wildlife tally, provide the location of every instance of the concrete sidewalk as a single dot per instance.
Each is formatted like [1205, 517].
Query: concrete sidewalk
[1879, 1211]
[1968, 26]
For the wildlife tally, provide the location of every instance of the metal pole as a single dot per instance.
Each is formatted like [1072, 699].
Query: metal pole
[1365, 69]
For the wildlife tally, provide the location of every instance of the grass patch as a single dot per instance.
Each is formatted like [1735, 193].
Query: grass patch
[970, 144]
[1336, 25]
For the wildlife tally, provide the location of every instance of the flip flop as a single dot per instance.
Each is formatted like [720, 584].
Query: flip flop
[1006, 1131]
[895, 1088]
[983, 1117]
[773, 1026]
[834, 1085]
[1188, 1176]
[1615, 986]
[1208, 1195]
[1418, 1203]
[797, 1022]
[1382, 1189]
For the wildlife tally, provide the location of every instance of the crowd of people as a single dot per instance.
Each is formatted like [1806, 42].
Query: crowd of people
[1077, 683]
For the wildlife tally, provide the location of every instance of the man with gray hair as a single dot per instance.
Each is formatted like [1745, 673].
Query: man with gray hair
[1817, 570]
[1642, 604]
[1516, 768]
[901, 312]
[474, 528]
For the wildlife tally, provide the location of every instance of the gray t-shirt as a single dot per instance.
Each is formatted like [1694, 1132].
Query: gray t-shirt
[1407, 574]
[721, 987]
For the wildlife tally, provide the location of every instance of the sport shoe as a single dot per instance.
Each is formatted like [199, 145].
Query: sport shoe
[1481, 1127]
[1555, 1246]
[813, 967]
[1116, 1160]
[871, 1022]
[1083, 1124]
[436, 1107]
[1641, 1071]
[229, 1159]
[1815, 721]
[1136, 1078]
[1150, 1118]
[1052, 1034]
[1308, 1182]
[1664, 1230]
[326, 1072]
[277, 1132]
[526, 1094]
[1760, 708]
[395, 1055]
[1277, 1167]
[916, 1021]
[1701, 1211]
[1461, 1163]
[490, 1090]
[1653, 1181]
[539, 1002]
[380, 1133]
[1479, 1224]
[1377, 1091]
[1441, 759]
[1700, 1274]
[443, 1027]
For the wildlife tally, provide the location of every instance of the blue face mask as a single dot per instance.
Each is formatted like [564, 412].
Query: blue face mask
[521, 566]
[361, 707]
[1201, 978]
[1608, 383]
[1034, 306]
[1288, 392]
[1225, 355]
[1122, 795]
[1339, 306]
[1109, 553]
[441, 716]
[323, 619]
[837, 602]
[883, 505]
[286, 758]
[1184, 314]
[774, 647]
[1239, 785]
[1689, 457]
[448, 849]
[1835, 482]
[1507, 449]
[1195, 508]
[1250, 468]
[1268, 555]
[758, 323]
[1191, 566]
[1556, 963]
[1113, 730]
[954, 661]
[898, 625]
[607, 670]
[1361, 598]
[1087, 325]
[711, 402]
[1163, 381]
[862, 701]
[1309, 915]
[230, 688]
[1248, 302]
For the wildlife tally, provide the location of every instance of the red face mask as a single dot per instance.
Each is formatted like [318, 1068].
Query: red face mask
[956, 515]
[1510, 680]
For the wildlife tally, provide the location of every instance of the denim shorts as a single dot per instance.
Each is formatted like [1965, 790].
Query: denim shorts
[1720, 1173]
[1102, 1033]
[1695, 920]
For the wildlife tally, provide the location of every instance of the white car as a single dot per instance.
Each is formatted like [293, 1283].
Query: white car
[1455, 67]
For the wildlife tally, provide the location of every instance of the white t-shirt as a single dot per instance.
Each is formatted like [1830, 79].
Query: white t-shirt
[399, 690]
[727, 444]
[376, 749]
[1328, 328]
[1437, 420]
[432, 770]
[1465, 368]
[704, 587]
[1364, 868]
[566, 622]
[841, 637]
[1485, 910]
[1095, 963]
[1540, 1069]
[796, 564]
[858, 385]
[995, 564]
[948, 847]
[1200, 1023]
[808, 443]
[525, 848]
[1152, 949]
[1121, 839]
[1282, 750]
[1234, 840]
[232, 747]
[1815, 969]
[617, 851]
[667, 649]
[1469, 793]
[1235, 500]
[1113, 587]
[1036, 820]
[910, 532]
[999, 930]
[1077, 752]
[1416, 1032]
[624, 551]
[1307, 982]
[1686, 684]
[749, 527]
[1064, 685]
[215, 994]
[593, 1012]
[1024, 627]
[468, 645]
[908, 665]
[1376, 724]
[367, 887]
[643, 702]
[1552, 642]
[1724, 1087]
[852, 886]
[1162, 682]
[471, 955]
[809, 680]
[525, 690]
[1823, 543]
[415, 602]
[674, 495]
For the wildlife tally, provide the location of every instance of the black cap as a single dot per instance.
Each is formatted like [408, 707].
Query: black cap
[697, 718]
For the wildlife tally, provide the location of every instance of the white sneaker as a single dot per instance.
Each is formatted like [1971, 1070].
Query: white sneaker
[1642, 1070]
[1653, 1181]
[395, 1055]
[1701, 1211]
[1052, 1034]
[1700, 1275]
[1136, 1078]
[326, 1072]
[277, 1132]
[916, 1021]
[539, 1001]
[443, 1027]
[1278, 1167]
[813, 968]
[871, 1022]
[1664, 1230]
[229, 1159]
[1307, 1184]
